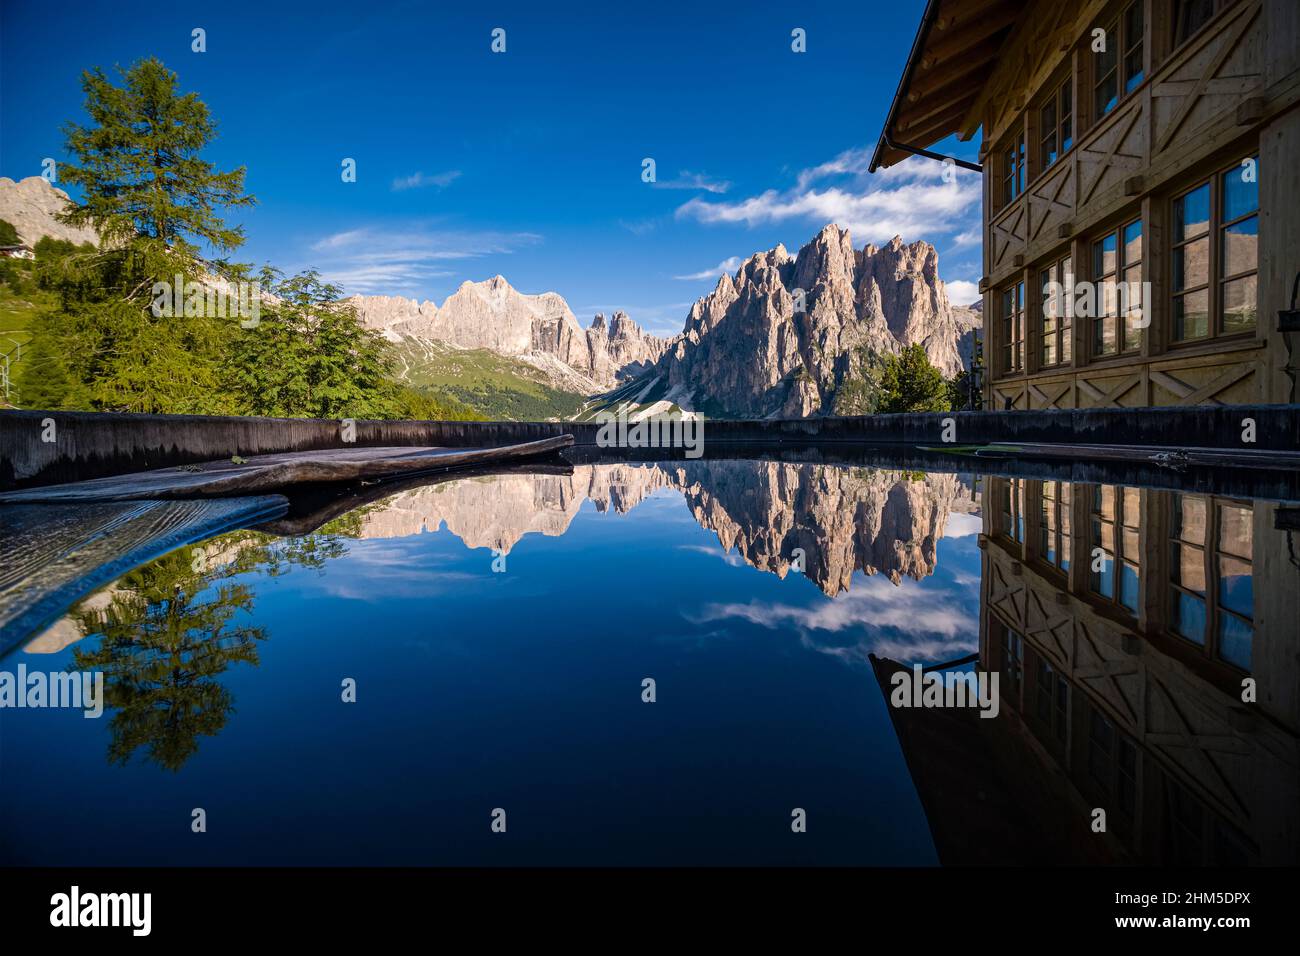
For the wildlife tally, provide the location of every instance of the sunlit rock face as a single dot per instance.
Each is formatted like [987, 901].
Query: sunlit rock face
[539, 328]
[32, 207]
[784, 334]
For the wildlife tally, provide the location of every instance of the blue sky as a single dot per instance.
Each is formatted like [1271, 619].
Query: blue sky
[526, 163]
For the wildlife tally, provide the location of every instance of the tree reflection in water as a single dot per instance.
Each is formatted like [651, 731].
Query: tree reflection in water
[173, 627]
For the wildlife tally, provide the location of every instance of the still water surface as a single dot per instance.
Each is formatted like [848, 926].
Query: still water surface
[500, 630]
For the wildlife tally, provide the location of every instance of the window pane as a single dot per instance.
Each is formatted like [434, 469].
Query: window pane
[1104, 502]
[1103, 256]
[1236, 586]
[1105, 336]
[1239, 305]
[1133, 242]
[1236, 530]
[1133, 69]
[1189, 568]
[1241, 190]
[1241, 247]
[1234, 641]
[1128, 587]
[1191, 16]
[1192, 214]
[1192, 315]
[1189, 519]
[1189, 617]
[1133, 45]
[1192, 264]
[1107, 94]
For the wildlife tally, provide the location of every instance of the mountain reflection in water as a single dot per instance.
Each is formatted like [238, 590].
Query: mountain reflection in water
[1144, 640]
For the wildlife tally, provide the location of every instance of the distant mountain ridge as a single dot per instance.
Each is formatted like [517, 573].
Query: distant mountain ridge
[538, 329]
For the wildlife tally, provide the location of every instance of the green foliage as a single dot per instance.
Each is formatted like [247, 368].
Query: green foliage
[138, 164]
[859, 393]
[909, 383]
[8, 234]
[310, 357]
[420, 405]
[103, 349]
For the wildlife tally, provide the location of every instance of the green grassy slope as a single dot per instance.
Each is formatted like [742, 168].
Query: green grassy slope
[493, 385]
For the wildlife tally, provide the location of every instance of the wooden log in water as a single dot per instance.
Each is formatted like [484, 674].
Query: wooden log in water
[263, 473]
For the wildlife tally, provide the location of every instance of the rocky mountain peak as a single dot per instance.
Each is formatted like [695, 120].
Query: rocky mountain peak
[32, 206]
[746, 352]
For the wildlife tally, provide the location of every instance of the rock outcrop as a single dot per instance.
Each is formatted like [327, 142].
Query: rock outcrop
[784, 334]
[539, 328]
[32, 206]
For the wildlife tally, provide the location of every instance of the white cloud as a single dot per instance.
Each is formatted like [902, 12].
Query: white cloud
[725, 266]
[961, 292]
[912, 199]
[961, 525]
[905, 622]
[418, 180]
[371, 260]
[689, 180]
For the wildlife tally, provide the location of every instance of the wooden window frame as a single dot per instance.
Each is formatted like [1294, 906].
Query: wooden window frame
[1054, 523]
[1210, 554]
[1117, 27]
[1011, 518]
[1062, 87]
[1064, 322]
[1014, 174]
[1215, 281]
[1123, 347]
[1118, 557]
[1011, 326]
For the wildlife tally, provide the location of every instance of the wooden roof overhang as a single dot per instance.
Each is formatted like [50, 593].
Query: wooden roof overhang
[954, 53]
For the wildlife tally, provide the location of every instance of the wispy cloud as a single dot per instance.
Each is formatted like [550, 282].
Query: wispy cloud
[876, 617]
[371, 260]
[420, 180]
[689, 180]
[917, 199]
[726, 265]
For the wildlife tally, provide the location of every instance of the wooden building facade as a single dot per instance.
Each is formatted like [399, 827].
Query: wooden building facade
[1144, 157]
[1129, 680]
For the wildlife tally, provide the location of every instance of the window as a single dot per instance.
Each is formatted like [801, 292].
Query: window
[1056, 127]
[1115, 554]
[1013, 170]
[1013, 328]
[1012, 501]
[1054, 524]
[1117, 67]
[1117, 278]
[1212, 601]
[1112, 762]
[1052, 700]
[1191, 15]
[1216, 255]
[1057, 284]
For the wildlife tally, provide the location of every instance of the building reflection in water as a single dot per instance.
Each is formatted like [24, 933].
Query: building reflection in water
[1126, 625]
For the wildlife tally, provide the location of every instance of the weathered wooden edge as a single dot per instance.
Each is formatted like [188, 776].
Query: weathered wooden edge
[21, 620]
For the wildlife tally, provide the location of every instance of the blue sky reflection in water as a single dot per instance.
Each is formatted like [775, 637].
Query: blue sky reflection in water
[518, 689]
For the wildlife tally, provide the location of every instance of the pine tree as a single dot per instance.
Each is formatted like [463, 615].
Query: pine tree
[139, 165]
